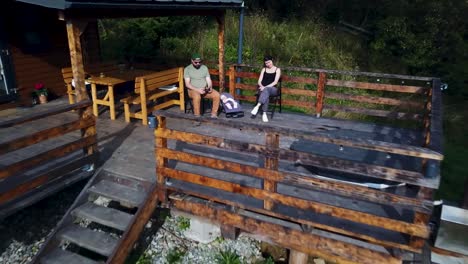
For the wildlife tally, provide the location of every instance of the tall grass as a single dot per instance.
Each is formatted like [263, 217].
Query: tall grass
[295, 43]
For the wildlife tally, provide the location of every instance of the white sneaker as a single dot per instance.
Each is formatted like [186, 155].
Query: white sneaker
[255, 110]
[264, 117]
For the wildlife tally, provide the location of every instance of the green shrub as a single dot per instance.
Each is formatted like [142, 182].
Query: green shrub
[228, 257]
[175, 256]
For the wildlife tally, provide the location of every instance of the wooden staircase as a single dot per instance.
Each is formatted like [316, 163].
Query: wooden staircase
[93, 231]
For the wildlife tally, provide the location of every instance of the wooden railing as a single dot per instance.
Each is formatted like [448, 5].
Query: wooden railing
[44, 155]
[325, 92]
[361, 223]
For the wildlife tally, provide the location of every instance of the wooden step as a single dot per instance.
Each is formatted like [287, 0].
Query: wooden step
[59, 256]
[103, 215]
[99, 242]
[125, 195]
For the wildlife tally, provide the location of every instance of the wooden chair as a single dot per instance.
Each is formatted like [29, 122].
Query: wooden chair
[67, 75]
[274, 100]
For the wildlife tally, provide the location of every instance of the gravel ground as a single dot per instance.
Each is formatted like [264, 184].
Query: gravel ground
[22, 234]
[170, 243]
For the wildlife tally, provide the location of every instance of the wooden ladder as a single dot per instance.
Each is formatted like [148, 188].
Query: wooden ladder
[96, 233]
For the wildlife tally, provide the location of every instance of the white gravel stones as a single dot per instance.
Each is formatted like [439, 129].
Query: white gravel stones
[170, 239]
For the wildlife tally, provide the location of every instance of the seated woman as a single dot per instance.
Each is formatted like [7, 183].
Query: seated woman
[269, 77]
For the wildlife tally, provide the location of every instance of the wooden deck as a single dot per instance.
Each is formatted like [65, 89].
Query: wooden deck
[127, 151]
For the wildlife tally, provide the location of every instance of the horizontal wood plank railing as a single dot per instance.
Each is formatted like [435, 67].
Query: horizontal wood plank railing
[325, 92]
[272, 176]
[37, 159]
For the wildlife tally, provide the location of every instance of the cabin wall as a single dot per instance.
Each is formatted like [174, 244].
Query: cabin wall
[39, 49]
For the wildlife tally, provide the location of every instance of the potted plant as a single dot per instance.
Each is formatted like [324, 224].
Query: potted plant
[41, 92]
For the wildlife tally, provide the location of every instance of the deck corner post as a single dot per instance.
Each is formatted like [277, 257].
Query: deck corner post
[229, 232]
[271, 163]
[161, 162]
[320, 93]
[181, 89]
[297, 257]
[421, 218]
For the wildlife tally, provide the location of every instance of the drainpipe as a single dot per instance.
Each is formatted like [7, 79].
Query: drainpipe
[240, 43]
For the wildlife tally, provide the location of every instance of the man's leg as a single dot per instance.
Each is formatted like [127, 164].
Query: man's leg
[216, 99]
[196, 98]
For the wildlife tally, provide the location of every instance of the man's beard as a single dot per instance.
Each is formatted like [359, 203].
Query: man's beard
[197, 66]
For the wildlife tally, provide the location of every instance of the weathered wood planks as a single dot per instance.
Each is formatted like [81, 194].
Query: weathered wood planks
[327, 247]
[41, 155]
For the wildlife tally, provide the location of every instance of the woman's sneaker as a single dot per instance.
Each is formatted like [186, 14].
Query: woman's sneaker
[255, 110]
[264, 117]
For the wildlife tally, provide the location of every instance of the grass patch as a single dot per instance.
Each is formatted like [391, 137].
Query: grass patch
[175, 256]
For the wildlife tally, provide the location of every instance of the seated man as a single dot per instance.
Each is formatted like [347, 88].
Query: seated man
[198, 82]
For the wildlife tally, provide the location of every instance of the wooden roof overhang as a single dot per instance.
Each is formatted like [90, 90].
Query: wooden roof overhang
[76, 13]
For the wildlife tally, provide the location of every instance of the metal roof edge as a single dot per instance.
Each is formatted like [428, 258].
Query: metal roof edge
[56, 4]
[63, 4]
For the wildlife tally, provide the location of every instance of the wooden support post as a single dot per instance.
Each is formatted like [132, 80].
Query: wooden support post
[421, 218]
[144, 109]
[427, 125]
[427, 119]
[220, 19]
[297, 257]
[229, 232]
[322, 80]
[161, 143]
[74, 30]
[232, 81]
[271, 162]
[181, 89]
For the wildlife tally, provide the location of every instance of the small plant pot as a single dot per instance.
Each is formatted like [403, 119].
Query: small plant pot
[42, 99]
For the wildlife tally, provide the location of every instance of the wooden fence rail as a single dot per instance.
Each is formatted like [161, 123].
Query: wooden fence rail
[343, 219]
[384, 96]
[38, 159]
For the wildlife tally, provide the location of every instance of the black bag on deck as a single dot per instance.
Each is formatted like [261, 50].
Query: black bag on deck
[231, 107]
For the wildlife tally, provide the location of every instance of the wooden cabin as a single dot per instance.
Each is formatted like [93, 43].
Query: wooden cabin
[34, 48]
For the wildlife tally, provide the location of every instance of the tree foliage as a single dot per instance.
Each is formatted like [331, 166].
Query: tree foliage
[424, 37]
[419, 37]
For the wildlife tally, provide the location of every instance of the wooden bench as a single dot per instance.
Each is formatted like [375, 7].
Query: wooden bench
[147, 90]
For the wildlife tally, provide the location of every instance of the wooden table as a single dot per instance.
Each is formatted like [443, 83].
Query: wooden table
[110, 80]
